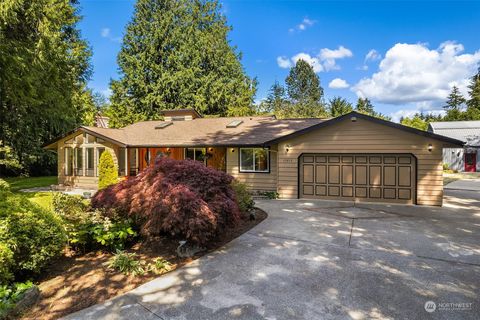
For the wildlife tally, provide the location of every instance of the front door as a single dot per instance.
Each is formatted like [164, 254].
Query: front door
[470, 162]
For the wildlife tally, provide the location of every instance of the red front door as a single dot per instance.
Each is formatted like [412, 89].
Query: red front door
[470, 162]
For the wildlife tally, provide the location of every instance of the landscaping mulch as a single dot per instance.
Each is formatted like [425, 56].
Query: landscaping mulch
[75, 283]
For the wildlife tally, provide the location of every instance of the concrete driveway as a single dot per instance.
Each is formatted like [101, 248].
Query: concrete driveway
[327, 260]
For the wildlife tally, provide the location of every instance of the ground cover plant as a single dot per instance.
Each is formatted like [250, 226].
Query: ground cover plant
[183, 198]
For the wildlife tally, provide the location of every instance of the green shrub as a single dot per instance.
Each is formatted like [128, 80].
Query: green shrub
[113, 235]
[88, 229]
[126, 263]
[4, 186]
[34, 235]
[271, 194]
[446, 166]
[6, 263]
[74, 213]
[10, 294]
[244, 198]
[160, 265]
[107, 171]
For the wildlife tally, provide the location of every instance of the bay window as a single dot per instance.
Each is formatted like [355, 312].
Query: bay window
[68, 161]
[78, 161]
[90, 162]
[254, 160]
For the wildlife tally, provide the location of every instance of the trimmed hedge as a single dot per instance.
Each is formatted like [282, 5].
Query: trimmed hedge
[183, 198]
[107, 171]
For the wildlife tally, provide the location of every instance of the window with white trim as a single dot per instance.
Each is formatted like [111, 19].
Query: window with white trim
[254, 160]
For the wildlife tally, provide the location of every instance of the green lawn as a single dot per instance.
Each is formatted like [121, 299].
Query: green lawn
[30, 182]
[43, 199]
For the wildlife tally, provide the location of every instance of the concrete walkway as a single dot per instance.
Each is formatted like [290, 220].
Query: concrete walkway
[464, 184]
[326, 260]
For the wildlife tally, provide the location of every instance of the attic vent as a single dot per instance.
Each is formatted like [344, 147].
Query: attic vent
[234, 124]
[163, 125]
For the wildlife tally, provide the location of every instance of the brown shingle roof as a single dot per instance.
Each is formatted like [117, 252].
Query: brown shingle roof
[206, 132]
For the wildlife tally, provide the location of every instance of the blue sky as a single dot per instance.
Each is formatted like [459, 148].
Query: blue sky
[404, 56]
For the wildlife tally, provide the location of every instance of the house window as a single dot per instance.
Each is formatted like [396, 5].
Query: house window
[133, 161]
[198, 154]
[90, 162]
[79, 139]
[78, 161]
[254, 160]
[99, 154]
[122, 162]
[68, 161]
[89, 138]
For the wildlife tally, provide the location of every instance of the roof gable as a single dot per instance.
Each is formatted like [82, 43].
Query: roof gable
[373, 119]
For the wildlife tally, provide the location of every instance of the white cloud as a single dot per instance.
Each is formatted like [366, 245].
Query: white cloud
[324, 61]
[338, 83]
[306, 22]
[105, 32]
[284, 62]
[372, 55]
[313, 61]
[413, 73]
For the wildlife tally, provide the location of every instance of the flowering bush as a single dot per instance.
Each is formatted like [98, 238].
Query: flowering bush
[181, 197]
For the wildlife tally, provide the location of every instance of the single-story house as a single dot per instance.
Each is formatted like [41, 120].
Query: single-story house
[351, 157]
[466, 158]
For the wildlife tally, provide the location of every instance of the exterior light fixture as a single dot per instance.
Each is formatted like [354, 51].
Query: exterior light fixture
[430, 147]
[233, 150]
[288, 147]
[168, 149]
[354, 119]
[210, 149]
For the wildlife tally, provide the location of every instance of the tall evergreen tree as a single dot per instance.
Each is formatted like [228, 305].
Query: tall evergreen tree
[365, 106]
[304, 91]
[176, 54]
[474, 92]
[339, 106]
[44, 67]
[276, 100]
[453, 105]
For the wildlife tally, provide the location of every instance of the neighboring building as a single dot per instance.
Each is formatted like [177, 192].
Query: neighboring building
[467, 158]
[351, 157]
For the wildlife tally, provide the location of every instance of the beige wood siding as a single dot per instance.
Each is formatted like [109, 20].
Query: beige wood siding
[254, 181]
[364, 136]
[82, 181]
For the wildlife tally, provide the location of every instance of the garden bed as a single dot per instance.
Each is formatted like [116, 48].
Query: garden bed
[74, 283]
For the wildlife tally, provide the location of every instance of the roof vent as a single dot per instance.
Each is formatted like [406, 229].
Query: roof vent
[163, 125]
[234, 123]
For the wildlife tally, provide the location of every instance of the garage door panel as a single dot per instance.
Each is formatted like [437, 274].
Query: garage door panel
[389, 175]
[333, 191]
[321, 190]
[405, 176]
[308, 173]
[321, 174]
[334, 174]
[361, 175]
[375, 174]
[366, 177]
[347, 174]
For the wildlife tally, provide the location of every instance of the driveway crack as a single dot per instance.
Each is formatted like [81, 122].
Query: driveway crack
[351, 232]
